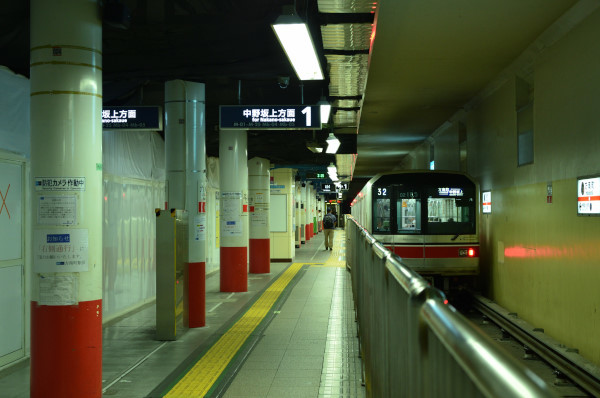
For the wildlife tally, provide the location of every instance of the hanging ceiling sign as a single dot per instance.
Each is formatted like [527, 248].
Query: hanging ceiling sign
[311, 175]
[327, 187]
[270, 117]
[145, 118]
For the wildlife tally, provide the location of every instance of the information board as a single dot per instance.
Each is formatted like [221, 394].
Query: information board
[486, 202]
[60, 250]
[270, 117]
[588, 196]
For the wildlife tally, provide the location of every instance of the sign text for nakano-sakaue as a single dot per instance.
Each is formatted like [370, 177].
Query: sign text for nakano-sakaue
[273, 117]
[147, 118]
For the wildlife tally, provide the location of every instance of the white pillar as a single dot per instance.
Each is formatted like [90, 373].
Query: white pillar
[233, 177]
[66, 166]
[259, 200]
[185, 145]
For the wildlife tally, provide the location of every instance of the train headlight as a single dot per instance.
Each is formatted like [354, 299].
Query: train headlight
[470, 252]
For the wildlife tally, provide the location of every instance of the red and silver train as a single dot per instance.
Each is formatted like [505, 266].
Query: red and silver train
[428, 218]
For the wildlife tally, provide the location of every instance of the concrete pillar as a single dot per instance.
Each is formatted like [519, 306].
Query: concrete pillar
[185, 145]
[66, 166]
[259, 200]
[233, 176]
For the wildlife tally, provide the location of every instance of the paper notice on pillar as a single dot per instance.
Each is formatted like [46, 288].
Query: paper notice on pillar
[259, 216]
[200, 227]
[260, 198]
[59, 289]
[231, 213]
[60, 250]
[57, 210]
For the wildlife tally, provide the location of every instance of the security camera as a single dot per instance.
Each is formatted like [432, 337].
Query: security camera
[283, 81]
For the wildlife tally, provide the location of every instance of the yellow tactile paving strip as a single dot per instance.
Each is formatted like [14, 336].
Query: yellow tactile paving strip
[337, 258]
[204, 374]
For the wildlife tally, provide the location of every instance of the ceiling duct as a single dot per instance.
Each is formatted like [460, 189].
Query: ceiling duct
[346, 6]
[344, 118]
[347, 36]
[347, 74]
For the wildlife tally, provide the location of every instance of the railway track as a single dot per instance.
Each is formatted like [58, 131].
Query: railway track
[561, 367]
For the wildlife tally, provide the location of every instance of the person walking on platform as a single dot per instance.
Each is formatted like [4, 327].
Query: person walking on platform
[329, 222]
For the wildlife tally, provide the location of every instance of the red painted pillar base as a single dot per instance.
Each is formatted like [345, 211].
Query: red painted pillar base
[66, 350]
[260, 256]
[194, 314]
[312, 230]
[307, 232]
[234, 269]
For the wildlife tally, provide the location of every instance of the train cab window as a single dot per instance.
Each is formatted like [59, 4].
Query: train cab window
[381, 209]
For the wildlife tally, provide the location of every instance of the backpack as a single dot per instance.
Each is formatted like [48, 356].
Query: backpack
[327, 222]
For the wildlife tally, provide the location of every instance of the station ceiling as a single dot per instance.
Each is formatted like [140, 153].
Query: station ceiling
[396, 70]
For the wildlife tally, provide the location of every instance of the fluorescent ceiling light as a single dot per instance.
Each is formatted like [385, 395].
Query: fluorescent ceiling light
[314, 147]
[325, 110]
[333, 144]
[332, 172]
[295, 39]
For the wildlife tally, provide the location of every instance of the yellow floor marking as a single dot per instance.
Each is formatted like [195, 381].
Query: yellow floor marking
[337, 258]
[203, 375]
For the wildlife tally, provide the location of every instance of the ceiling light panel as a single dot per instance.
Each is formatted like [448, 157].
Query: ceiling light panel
[294, 37]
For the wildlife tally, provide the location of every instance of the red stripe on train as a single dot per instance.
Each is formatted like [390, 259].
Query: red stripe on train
[434, 251]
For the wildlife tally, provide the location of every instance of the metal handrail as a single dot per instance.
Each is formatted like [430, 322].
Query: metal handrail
[414, 344]
[495, 372]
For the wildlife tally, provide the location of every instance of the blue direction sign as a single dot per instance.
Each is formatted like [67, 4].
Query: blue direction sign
[270, 117]
[132, 118]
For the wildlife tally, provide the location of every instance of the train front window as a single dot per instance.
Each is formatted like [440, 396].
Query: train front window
[408, 210]
[381, 209]
[450, 211]
[381, 215]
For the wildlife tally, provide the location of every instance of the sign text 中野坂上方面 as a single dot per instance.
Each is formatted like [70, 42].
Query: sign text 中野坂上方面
[277, 117]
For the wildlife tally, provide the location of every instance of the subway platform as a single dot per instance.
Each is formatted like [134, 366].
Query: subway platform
[293, 334]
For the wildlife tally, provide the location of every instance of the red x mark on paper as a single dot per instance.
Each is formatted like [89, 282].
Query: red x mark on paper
[4, 206]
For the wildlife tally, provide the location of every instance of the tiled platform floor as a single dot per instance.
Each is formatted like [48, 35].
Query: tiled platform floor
[308, 350]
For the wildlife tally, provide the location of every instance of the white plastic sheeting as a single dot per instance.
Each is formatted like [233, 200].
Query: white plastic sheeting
[14, 113]
[212, 220]
[133, 186]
